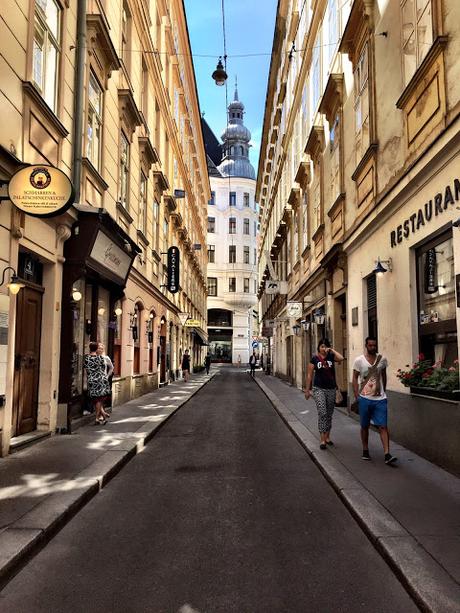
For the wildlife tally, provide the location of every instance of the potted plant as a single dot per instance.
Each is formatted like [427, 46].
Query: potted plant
[430, 379]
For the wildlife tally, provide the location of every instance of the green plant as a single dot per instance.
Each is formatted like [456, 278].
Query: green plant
[434, 376]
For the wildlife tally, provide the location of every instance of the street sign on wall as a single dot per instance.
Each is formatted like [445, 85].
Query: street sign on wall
[193, 323]
[173, 269]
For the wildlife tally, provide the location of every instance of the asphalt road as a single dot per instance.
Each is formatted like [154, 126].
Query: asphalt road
[223, 512]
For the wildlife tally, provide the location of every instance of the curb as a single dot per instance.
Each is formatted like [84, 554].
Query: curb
[23, 539]
[428, 583]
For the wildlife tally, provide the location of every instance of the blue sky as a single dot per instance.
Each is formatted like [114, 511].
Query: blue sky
[249, 30]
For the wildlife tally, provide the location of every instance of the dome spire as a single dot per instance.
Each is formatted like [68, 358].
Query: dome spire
[235, 98]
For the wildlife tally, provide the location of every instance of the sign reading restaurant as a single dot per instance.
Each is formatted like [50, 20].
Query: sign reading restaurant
[41, 190]
[434, 207]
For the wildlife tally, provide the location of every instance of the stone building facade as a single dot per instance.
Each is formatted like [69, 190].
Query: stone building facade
[232, 241]
[359, 164]
[106, 92]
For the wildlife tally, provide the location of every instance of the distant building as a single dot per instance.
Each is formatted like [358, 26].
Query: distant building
[232, 240]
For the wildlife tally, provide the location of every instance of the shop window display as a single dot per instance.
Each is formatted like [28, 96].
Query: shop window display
[436, 300]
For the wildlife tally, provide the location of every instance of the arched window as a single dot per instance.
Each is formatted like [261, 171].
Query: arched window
[151, 339]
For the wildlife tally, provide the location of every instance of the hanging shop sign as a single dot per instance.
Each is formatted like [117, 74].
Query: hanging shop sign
[431, 285]
[294, 309]
[41, 190]
[173, 269]
[107, 254]
[273, 286]
[433, 208]
[193, 323]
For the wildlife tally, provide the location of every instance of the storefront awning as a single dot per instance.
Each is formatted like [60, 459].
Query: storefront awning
[199, 337]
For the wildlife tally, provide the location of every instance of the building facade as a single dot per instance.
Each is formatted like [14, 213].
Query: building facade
[359, 165]
[232, 241]
[106, 92]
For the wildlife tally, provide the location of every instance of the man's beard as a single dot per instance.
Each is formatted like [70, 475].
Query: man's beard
[372, 351]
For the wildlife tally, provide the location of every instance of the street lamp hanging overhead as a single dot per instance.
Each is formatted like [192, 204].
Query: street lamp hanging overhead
[219, 75]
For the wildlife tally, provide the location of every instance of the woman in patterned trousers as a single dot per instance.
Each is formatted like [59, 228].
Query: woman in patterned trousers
[322, 371]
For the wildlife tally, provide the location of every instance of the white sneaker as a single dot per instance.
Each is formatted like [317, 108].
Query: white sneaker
[85, 412]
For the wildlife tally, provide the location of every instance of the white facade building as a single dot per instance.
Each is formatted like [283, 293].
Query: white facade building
[232, 241]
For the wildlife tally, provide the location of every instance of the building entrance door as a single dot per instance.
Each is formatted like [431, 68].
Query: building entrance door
[27, 360]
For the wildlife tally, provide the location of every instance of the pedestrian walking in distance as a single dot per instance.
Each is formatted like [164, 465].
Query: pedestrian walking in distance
[239, 360]
[186, 366]
[252, 364]
[369, 385]
[98, 387]
[321, 371]
[207, 363]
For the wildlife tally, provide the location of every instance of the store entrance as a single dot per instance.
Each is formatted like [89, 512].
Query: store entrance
[27, 360]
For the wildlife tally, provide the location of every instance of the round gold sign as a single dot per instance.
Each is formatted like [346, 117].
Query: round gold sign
[41, 190]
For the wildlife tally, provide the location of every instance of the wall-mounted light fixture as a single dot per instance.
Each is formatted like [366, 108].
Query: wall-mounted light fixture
[76, 294]
[15, 284]
[118, 311]
[101, 311]
[296, 329]
[380, 269]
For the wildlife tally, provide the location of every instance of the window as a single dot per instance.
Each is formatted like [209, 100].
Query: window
[317, 218]
[232, 199]
[138, 319]
[362, 104]
[232, 254]
[246, 226]
[46, 50]
[124, 170]
[316, 75]
[211, 254]
[255, 228]
[333, 28]
[165, 234]
[126, 35]
[94, 127]
[372, 325]
[232, 284]
[246, 255]
[232, 225]
[255, 286]
[212, 200]
[334, 145]
[246, 199]
[436, 300]
[142, 202]
[144, 90]
[246, 285]
[255, 256]
[212, 286]
[417, 34]
[211, 225]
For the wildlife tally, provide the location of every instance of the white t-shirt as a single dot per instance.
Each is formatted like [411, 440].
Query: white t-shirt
[362, 366]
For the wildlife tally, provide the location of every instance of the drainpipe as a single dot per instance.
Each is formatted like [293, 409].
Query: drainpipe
[80, 54]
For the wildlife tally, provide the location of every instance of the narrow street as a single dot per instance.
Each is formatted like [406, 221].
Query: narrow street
[223, 511]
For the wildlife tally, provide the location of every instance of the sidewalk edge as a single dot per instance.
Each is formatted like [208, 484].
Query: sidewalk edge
[427, 582]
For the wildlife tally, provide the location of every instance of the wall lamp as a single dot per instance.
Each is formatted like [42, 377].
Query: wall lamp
[219, 75]
[380, 270]
[76, 294]
[15, 284]
[118, 311]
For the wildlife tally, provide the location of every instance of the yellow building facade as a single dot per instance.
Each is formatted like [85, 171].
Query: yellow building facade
[359, 164]
[106, 92]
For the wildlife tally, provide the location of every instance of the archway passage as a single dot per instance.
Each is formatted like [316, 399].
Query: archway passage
[220, 334]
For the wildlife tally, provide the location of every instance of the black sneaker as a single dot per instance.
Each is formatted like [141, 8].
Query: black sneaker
[365, 455]
[390, 459]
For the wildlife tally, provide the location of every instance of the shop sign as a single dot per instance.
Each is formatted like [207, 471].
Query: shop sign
[433, 207]
[431, 286]
[276, 287]
[183, 317]
[41, 190]
[173, 269]
[192, 323]
[106, 253]
[294, 309]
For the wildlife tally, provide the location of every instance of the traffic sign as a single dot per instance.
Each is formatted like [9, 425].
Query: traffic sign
[255, 344]
[183, 317]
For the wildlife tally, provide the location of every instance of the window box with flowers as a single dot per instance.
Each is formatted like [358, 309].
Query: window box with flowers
[436, 380]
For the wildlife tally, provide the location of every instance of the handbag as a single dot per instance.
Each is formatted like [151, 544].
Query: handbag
[338, 396]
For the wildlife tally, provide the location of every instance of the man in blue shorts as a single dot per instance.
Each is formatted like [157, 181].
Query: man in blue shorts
[369, 383]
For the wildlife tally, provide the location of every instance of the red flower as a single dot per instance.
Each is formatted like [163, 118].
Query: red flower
[421, 357]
